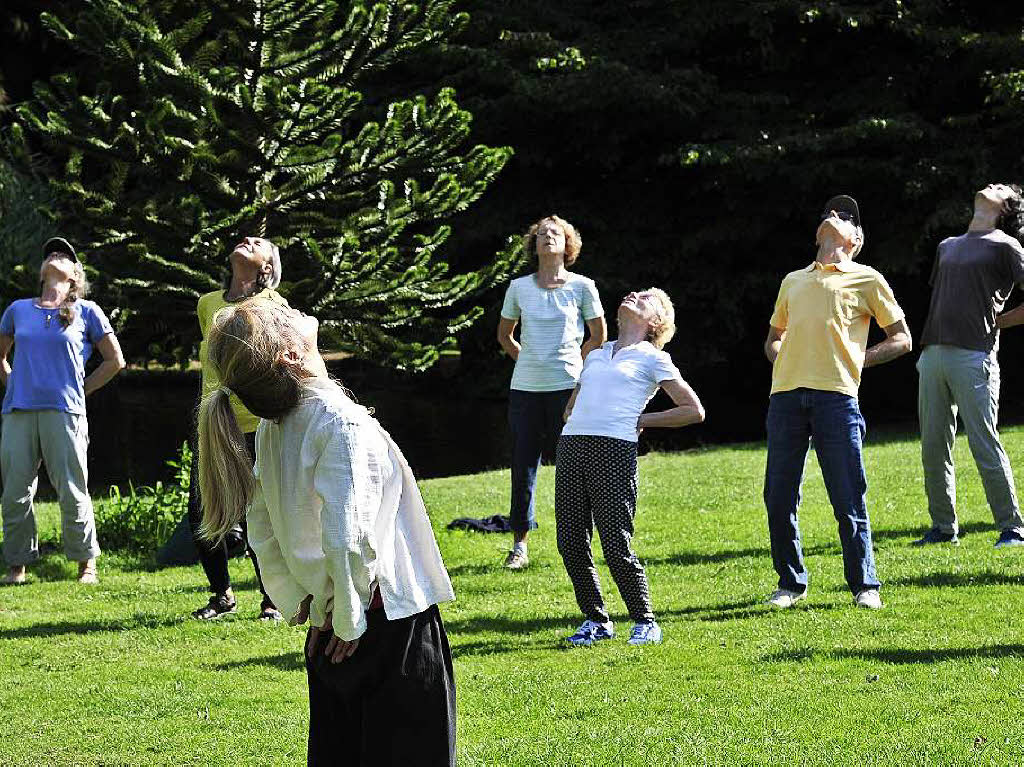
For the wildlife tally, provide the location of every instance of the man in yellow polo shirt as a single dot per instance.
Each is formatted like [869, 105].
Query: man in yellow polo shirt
[817, 342]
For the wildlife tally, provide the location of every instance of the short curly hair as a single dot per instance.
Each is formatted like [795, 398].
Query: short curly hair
[1011, 221]
[573, 241]
[662, 333]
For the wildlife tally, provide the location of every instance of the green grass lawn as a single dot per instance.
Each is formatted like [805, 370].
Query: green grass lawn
[115, 674]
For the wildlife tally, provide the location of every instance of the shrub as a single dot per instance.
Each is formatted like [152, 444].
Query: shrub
[141, 520]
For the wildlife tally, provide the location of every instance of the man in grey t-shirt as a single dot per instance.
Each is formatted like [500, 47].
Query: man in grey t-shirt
[971, 280]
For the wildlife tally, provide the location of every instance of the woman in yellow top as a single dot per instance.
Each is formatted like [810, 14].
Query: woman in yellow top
[255, 271]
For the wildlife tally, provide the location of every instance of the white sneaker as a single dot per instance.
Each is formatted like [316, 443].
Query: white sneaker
[869, 598]
[784, 598]
[516, 560]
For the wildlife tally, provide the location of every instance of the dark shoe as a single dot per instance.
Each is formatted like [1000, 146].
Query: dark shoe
[1010, 538]
[935, 535]
[269, 613]
[219, 604]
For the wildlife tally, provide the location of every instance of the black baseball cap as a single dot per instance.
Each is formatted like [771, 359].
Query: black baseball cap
[59, 245]
[845, 206]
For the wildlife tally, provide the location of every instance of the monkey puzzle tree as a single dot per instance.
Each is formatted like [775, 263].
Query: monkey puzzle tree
[188, 124]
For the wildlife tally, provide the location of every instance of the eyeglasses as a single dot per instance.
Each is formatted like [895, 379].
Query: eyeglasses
[844, 215]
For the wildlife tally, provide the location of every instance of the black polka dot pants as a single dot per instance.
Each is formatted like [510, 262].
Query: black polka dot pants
[595, 485]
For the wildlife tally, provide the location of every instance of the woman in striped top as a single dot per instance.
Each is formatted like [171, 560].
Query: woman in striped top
[552, 305]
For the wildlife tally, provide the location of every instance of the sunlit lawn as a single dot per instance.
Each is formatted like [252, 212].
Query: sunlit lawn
[116, 674]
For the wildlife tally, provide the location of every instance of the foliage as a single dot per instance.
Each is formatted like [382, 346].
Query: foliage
[933, 679]
[26, 221]
[187, 124]
[698, 141]
[142, 520]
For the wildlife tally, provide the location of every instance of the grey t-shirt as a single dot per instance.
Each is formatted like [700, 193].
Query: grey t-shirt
[971, 279]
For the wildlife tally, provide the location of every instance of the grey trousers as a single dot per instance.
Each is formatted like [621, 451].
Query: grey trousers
[60, 440]
[952, 380]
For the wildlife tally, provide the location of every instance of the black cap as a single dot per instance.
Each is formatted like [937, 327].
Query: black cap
[59, 245]
[845, 206]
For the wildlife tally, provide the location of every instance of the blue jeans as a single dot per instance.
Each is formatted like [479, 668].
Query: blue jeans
[535, 420]
[834, 423]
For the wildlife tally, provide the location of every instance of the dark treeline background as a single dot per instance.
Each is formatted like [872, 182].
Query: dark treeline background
[693, 144]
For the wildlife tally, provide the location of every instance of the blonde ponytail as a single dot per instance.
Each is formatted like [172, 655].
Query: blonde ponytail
[225, 469]
[245, 348]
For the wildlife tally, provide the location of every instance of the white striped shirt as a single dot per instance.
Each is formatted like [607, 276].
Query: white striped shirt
[551, 322]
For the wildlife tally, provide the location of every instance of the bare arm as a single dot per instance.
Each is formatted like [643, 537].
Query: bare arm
[6, 342]
[896, 344]
[113, 363]
[570, 404]
[506, 340]
[1011, 318]
[773, 343]
[598, 335]
[687, 410]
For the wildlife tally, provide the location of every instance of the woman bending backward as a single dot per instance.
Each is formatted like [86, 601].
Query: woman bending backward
[342, 537]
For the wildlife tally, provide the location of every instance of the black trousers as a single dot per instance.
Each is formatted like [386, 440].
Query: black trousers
[214, 557]
[391, 703]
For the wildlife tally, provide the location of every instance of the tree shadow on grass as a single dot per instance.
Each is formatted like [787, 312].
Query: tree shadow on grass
[688, 558]
[954, 580]
[969, 528]
[87, 627]
[503, 625]
[521, 627]
[486, 569]
[290, 661]
[900, 655]
[53, 566]
[757, 609]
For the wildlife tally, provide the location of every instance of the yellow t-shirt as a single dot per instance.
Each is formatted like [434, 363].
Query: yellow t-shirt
[207, 309]
[826, 310]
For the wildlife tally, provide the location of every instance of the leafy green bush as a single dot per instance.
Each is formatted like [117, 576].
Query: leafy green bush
[142, 519]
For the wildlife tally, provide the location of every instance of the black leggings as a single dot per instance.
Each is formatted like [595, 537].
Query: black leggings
[391, 703]
[214, 557]
[596, 486]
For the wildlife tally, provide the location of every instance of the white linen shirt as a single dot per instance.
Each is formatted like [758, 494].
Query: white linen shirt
[337, 510]
[615, 389]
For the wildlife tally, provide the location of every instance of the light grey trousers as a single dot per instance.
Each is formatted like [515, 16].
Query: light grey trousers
[60, 440]
[952, 380]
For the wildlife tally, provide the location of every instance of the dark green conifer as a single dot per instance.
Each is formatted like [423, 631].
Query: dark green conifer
[188, 124]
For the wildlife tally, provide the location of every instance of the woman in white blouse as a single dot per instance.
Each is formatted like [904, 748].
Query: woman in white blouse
[552, 305]
[596, 475]
[342, 536]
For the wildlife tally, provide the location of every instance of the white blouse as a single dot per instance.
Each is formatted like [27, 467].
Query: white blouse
[616, 387]
[337, 511]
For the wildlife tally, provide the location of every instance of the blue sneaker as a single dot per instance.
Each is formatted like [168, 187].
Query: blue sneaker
[590, 632]
[1010, 538]
[645, 633]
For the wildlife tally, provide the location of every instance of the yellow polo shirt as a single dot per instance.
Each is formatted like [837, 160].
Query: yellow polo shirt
[207, 308]
[826, 310]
